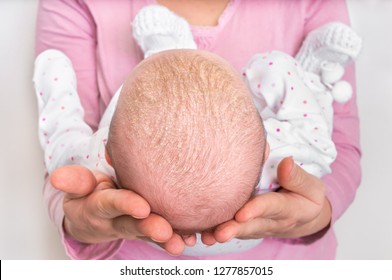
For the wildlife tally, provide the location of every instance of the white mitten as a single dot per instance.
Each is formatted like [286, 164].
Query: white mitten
[156, 29]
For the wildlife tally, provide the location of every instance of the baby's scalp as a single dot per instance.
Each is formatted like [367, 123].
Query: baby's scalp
[187, 137]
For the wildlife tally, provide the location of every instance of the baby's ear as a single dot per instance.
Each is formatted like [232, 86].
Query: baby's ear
[107, 157]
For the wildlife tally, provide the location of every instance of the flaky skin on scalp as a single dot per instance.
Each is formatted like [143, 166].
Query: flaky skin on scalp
[186, 136]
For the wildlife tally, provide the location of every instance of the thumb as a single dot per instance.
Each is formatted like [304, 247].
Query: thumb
[75, 180]
[293, 178]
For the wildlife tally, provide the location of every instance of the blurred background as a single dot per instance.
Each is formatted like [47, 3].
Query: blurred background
[364, 232]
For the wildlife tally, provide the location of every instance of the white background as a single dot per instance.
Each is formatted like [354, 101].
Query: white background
[364, 232]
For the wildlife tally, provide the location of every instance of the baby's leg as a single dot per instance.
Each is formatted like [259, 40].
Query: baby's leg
[63, 134]
[334, 42]
[157, 29]
[295, 122]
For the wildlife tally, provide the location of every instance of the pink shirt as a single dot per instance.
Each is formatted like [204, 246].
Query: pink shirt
[97, 36]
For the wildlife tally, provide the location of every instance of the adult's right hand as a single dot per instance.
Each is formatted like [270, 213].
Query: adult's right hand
[96, 211]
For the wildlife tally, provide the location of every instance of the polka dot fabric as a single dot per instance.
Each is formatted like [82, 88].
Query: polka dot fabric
[297, 113]
[64, 136]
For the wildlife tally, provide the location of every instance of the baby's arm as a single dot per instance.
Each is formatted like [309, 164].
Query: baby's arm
[64, 136]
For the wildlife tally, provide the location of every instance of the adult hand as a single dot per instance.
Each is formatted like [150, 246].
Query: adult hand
[298, 209]
[95, 211]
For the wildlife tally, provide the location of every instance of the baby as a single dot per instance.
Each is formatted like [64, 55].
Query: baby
[185, 133]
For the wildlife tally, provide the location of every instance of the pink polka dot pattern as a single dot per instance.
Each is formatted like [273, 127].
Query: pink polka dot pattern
[64, 135]
[292, 114]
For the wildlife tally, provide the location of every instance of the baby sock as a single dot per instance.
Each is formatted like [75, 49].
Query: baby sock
[156, 29]
[334, 42]
[325, 51]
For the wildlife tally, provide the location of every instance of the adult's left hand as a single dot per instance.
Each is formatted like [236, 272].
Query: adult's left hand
[298, 209]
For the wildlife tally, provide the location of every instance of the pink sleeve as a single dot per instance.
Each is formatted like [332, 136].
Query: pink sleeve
[345, 178]
[67, 25]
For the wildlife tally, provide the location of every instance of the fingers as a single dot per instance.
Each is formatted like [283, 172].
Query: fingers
[77, 181]
[291, 212]
[189, 240]
[226, 231]
[107, 202]
[258, 218]
[269, 205]
[175, 246]
[111, 213]
[153, 227]
[208, 238]
[112, 203]
[293, 178]
[256, 229]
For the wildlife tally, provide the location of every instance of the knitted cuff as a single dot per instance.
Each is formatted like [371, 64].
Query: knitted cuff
[156, 29]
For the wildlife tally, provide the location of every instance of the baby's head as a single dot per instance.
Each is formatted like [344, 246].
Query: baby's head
[187, 137]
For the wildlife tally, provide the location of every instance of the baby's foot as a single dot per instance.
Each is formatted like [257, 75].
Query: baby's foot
[156, 29]
[334, 42]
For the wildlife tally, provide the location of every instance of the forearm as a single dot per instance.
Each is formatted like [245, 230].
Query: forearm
[342, 183]
[341, 186]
